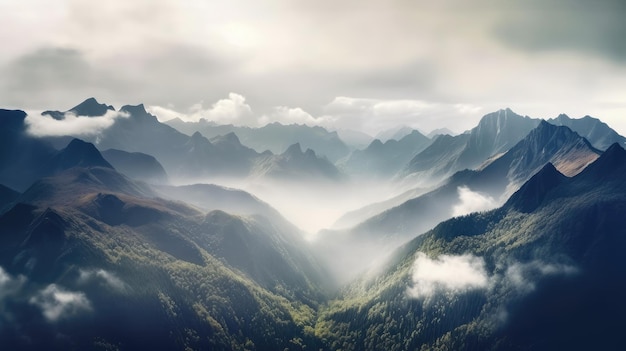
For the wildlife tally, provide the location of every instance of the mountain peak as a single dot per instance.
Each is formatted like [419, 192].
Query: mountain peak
[530, 196]
[135, 109]
[611, 160]
[91, 107]
[197, 136]
[500, 115]
[375, 144]
[231, 137]
[230, 140]
[138, 112]
[294, 149]
[79, 153]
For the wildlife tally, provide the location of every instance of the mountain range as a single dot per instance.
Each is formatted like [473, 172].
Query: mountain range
[508, 236]
[274, 137]
[378, 234]
[385, 159]
[544, 271]
[194, 157]
[103, 261]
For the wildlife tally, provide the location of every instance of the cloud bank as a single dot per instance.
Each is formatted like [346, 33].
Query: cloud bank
[494, 55]
[231, 110]
[56, 302]
[470, 201]
[367, 115]
[44, 125]
[448, 274]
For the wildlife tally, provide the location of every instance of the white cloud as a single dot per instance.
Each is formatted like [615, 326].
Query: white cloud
[452, 274]
[231, 110]
[296, 115]
[448, 274]
[109, 279]
[366, 115]
[57, 303]
[234, 109]
[470, 201]
[44, 125]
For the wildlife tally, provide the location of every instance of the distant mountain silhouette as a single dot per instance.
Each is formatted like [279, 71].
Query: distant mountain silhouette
[354, 139]
[190, 158]
[137, 165]
[599, 134]
[275, 137]
[394, 133]
[385, 159]
[90, 107]
[296, 165]
[439, 131]
[496, 133]
[210, 197]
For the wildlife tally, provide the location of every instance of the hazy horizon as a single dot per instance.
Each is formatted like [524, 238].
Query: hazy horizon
[368, 65]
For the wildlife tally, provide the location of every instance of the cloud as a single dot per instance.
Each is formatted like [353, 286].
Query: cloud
[235, 110]
[523, 276]
[296, 115]
[369, 115]
[448, 274]
[489, 54]
[231, 110]
[57, 303]
[470, 201]
[374, 115]
[109, 279]
[71, 124]
[555, 25]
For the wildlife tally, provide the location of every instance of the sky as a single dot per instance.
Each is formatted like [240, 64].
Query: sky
[366, 65]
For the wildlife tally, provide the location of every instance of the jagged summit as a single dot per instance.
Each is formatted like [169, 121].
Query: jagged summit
[294, 149]
[138, 112]
[91, 107]
[530, 196]
[599, 134]
[134, 109]
[197, 135]
[230, 138]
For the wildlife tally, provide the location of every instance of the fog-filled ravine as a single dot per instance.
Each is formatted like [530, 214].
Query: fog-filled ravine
[119, 231]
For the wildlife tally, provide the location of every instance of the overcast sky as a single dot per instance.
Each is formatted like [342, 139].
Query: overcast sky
[366, 64]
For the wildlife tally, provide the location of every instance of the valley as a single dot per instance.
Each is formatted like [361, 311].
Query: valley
[197, 235]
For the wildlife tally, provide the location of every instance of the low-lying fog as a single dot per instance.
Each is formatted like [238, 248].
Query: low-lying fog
[310, 206]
